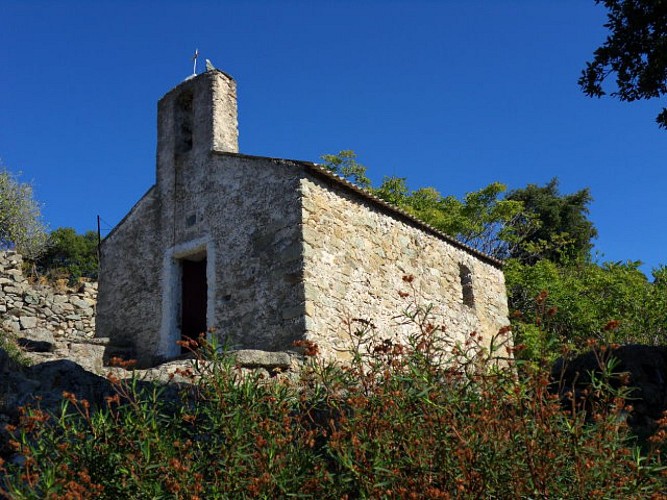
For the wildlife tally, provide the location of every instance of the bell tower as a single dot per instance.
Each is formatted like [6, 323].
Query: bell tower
[194, 118]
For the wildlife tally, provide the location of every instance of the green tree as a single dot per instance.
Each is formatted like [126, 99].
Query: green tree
[70, 254]
[345, 165]
[21, 226]
[613, 302]
[478, 220]
[552, 226]
[635, 51]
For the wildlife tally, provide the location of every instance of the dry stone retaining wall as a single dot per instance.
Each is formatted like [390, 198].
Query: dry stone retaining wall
[49, 323]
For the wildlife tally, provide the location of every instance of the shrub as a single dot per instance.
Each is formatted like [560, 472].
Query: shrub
[577, 301]
[21, 226]
[69, 255]
[428, 418]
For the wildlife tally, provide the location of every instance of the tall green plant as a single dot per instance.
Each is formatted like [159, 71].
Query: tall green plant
[430, 417]
[552, 225]
[21, 225]
[584, 298]
[69, 254]
[480, 219]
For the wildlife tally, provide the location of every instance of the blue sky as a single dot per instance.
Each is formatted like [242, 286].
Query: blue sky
[451, 94]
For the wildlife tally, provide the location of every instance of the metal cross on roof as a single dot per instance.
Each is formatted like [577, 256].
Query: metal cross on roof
[194, 58]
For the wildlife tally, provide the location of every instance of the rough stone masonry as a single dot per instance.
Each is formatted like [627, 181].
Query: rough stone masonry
[53, 328]
[260, 252]
[49, 323]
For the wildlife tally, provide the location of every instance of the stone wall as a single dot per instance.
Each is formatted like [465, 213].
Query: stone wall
[356, 255]
[252, 213]
[131, 311]
[49, 323]
[242, 215]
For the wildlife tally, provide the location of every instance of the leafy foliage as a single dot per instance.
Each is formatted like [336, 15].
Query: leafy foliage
[635, 52]
[395, 423]
[532, 223]
[612, 302]
[478, 220]
[345, 164]
[552, 226]
[21, 226]
[70, 255]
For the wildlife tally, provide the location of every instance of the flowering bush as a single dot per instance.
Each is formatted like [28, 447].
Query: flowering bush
[428, 418]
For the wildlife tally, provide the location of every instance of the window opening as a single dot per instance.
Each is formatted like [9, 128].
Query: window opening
[183, 123]
[466, 285]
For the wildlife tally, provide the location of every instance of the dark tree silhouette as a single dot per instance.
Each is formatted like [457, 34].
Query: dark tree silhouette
[559, 228]
[635, 51]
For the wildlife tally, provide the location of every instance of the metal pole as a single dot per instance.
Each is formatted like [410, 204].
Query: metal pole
[99, 240]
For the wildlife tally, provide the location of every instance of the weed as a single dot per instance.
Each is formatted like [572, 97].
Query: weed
[430, 417]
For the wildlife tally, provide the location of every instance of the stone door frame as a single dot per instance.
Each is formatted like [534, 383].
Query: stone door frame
[170, 332]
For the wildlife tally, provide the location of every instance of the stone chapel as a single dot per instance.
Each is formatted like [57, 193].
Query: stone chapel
[260, 252]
